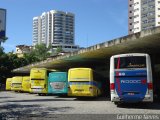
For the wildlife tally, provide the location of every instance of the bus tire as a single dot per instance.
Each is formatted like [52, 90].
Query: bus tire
[43, 94]
[97, 93]
[117, 103]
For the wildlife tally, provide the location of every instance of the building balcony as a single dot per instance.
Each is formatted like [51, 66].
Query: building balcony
[152, 2]
[151, 16]
[144, 25]
[144, 11]
[151, 23]
[144, 3]
[144, 18]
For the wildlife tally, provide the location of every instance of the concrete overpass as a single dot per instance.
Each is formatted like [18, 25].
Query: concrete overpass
[98, 55]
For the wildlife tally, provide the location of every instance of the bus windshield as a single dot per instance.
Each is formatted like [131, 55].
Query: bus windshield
[130, 62]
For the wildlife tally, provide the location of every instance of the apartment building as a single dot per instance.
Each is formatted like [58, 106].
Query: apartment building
[55, 28]
[143, 15]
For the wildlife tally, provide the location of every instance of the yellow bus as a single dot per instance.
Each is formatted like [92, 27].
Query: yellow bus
[8, 83]
[16, 84]
[39, 80]
[26, 83]
[83, 82]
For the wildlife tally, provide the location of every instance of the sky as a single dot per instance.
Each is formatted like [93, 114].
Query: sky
[96, 21]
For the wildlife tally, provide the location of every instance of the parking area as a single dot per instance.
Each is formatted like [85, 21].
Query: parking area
[24, 104]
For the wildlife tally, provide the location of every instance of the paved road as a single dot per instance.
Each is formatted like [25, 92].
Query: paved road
[27, 106]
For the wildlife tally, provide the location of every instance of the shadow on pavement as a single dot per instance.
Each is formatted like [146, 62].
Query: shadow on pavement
[155, 106]
[39, 100]
[5, 97]
[61, 99]
[19, 111]
[92, 99]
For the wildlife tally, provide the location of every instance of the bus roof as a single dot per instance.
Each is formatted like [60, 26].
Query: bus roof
[80, 68]
[130, 54]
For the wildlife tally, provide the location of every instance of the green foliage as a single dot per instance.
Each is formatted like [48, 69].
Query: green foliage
[59, 49]
[1, 51]
[41, 51]
[10, 61]
[31, 57]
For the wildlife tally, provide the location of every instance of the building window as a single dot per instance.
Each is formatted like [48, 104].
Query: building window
[135, 22]
[136, 9]
[136, 16]
[145, 21]
[144, 15]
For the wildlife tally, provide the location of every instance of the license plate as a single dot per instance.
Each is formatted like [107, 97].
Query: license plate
[57, 85]
[79, 90]
[37, 90]
[130, 93]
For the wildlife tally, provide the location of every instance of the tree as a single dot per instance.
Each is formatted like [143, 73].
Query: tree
[59, 49]
[31, 57]
[8, 62]
[41, 51]
[1, 50]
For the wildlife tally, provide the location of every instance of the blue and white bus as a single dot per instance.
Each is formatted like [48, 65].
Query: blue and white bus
[131, 78]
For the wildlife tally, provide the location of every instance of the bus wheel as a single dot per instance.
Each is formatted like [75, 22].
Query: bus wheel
[117, 103]
[42, 94]
[97, 93]
[39, 94]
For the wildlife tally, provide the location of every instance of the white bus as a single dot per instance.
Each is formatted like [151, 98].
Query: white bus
[131, 78]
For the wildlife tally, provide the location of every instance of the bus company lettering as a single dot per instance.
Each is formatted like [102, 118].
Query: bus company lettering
[130, 81]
